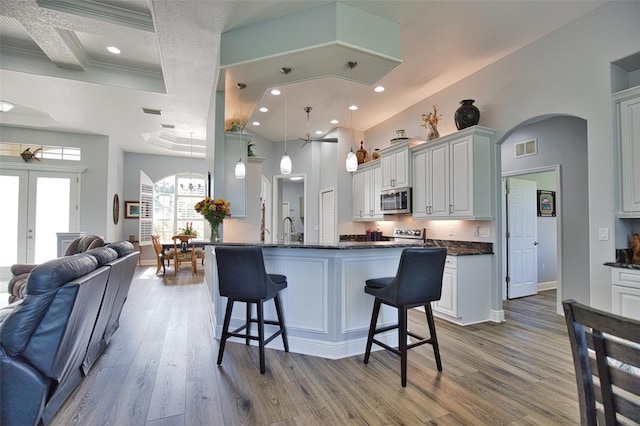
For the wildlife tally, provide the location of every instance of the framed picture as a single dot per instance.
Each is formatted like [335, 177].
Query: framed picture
[131, 209]
[546, 203]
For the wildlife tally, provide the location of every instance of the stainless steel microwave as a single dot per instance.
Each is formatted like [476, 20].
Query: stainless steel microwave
[396, 201]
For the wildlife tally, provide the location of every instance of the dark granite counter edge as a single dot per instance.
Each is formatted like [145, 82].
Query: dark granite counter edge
[622, 265]
[352, 245]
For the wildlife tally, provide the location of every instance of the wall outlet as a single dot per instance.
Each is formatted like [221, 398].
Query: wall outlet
[451, 231]
[603, 234]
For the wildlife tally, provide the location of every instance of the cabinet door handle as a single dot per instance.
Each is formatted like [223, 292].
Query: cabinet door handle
[450, 208]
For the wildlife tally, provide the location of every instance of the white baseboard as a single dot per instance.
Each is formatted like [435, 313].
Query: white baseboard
[497, 316]
[549, 285]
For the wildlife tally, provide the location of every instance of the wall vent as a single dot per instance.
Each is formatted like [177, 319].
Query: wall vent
[151, 111]
[168, 126]
[523, 149]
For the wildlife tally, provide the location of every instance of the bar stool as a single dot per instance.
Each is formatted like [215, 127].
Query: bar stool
[418, 282]
[242, 278]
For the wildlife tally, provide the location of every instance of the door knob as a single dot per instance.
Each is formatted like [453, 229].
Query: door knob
[535, 243]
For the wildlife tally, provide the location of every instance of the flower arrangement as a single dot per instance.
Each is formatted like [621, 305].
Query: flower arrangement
[188, 230]
[214, 211]
[430, 122]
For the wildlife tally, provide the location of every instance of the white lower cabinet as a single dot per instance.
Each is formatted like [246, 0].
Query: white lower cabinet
[626, 292]
[466, 290]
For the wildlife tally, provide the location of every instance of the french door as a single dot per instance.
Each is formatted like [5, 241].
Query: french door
[37, 205]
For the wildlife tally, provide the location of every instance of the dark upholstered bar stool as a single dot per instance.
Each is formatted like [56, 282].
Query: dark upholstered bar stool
[242, 278]
[418, 282]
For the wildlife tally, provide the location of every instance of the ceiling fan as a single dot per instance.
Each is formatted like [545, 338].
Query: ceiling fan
[308, 138]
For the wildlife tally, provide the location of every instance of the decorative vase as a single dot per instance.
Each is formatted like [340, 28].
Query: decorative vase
[467, 114]
[433, 133]
[362, 155]
[376, 154]
[215, 232]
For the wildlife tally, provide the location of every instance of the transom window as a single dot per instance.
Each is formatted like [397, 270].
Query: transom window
[174, 198]
[41, 151]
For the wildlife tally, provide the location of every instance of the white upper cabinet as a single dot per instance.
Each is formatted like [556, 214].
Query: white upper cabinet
[628, 111]
[452, 176]
[395, 167]
[367, 182]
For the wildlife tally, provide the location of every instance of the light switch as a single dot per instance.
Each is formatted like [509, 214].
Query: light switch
[603, 234]
[485, 231]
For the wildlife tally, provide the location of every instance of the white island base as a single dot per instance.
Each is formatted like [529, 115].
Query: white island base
[326, 310]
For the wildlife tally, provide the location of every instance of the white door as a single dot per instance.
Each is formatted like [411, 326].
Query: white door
[38, 205]
[327, 215]
[522, 261]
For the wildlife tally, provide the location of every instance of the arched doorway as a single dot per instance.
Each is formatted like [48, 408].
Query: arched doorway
[561, 144]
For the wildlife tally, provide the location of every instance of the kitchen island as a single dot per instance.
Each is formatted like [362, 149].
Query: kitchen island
[326, 310]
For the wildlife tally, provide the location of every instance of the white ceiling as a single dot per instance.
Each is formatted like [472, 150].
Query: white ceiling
[55, 68]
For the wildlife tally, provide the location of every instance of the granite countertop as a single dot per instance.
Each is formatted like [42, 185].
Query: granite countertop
[347, 245]
[452, 249]
[623, 259]
[623, 265]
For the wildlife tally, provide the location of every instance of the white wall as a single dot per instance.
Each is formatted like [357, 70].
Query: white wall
[566, 72]
[96, 215]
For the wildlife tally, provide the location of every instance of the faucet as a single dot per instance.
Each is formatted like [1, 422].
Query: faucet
[286, 237]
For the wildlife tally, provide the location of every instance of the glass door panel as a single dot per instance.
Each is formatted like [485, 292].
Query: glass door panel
[51, 215]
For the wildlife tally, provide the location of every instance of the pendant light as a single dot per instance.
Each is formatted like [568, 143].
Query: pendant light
[352, 161]
[241, 170]
[190, 187]
[285, 161]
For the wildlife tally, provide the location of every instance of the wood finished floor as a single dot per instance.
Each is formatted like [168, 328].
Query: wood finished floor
[160, 369]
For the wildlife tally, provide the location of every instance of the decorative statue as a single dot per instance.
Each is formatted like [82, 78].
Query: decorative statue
[635, 249]
[430, 122]
[27, 155]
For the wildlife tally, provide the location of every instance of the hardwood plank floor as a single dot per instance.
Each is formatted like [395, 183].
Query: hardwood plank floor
[160, 369]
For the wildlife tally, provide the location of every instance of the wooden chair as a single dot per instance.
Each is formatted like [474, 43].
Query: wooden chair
[161, 255]
[605, 346]
[183, 252]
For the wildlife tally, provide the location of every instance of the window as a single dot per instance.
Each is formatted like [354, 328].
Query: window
[45, 151]
[173, 201]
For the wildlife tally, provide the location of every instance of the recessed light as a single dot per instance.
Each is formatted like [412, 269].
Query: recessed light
[275, 92]
[264, 109]
[334, 121]
[353, 107]
[256, 123]
[318, 132]
[5, 106]
[379, 89]
[113, 50]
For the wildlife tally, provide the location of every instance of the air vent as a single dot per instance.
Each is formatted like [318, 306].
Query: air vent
[151, 111]
[168, 126]
[523, 149]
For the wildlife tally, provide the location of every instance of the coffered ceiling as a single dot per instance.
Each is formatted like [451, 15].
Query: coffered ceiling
[54, 65]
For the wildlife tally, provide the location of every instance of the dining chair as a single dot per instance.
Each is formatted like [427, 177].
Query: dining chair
[161, 256]
[605, 347]
[183, 251]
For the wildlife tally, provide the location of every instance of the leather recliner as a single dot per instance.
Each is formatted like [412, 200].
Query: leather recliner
[20, 272]
[50, 339]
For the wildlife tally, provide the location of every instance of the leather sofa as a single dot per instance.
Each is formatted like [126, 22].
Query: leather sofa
[20, 271]
[50, 339]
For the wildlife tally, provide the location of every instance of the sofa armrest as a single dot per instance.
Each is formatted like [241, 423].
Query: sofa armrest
[21, 268]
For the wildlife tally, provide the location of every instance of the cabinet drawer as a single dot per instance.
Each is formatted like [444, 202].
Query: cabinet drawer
[626, 277]
[451, 262]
